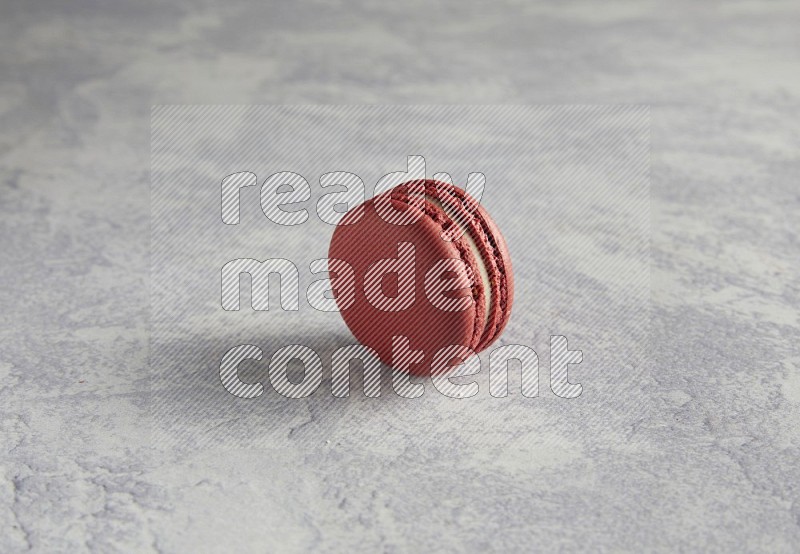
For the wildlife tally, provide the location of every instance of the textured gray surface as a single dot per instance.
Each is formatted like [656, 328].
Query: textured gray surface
[712, 464]
[568, 185]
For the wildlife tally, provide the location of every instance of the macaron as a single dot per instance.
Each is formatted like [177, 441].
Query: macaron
[431, 281]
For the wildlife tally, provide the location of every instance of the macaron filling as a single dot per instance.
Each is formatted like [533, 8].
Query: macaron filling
[493, 253]
[448, 205]
[481, 265]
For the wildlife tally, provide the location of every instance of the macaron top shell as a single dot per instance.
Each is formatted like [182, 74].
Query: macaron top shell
[363, 238]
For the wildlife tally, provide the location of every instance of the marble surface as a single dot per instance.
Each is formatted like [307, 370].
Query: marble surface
[709, 464]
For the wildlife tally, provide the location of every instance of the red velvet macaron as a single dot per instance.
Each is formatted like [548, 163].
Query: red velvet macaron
[430, 270]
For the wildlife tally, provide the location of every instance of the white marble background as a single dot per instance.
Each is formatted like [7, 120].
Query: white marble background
[712, 465]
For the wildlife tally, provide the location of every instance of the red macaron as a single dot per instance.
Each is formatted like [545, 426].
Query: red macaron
[429, 269]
